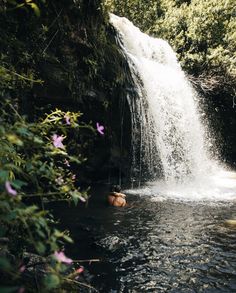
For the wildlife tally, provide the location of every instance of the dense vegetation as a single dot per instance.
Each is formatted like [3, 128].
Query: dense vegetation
[46, 65]
[35, 163]
[201, 32]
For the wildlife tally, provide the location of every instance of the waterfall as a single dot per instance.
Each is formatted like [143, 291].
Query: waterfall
[165, 114]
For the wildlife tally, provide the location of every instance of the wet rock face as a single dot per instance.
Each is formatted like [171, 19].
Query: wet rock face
[221, 114]
[82, 69]
[92, 76]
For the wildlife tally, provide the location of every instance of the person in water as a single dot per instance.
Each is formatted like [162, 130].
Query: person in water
[116, 198]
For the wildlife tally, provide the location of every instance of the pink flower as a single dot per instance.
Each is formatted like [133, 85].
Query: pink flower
[73, 177]
[100, 128]
[80, 270]
[57, 141]
[67, 118]
[60, 256]
[66, 162]
[22, 269]
[9, 189]
[21, 290]
[82, 198]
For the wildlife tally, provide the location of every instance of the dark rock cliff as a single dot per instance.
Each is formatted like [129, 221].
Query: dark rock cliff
[72, 49]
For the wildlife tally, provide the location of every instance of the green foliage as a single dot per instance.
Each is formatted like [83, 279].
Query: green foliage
[22, 4]
[32, 157]
[201, 32]
[35, 167]
[142, 13]
[49, 51]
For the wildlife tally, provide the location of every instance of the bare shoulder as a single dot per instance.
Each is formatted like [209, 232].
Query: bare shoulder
[121, 195]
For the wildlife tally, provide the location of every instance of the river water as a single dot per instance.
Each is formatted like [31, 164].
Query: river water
[161, 245]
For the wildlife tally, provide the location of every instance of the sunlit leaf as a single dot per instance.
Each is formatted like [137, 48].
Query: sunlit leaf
[35, 8]
[18, 183]
[40, 247]
[13, 138]
[51, 281]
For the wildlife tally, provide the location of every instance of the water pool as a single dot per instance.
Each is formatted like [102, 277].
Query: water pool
[153, 246]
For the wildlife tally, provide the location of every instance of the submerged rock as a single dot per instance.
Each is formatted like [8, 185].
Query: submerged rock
[111, 243]
[231, 223]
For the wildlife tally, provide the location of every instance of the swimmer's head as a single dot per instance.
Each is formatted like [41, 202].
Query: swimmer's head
[115, 188]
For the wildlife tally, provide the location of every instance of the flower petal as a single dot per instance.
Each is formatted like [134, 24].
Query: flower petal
[60, 256]
[9, 189]
[100, 128]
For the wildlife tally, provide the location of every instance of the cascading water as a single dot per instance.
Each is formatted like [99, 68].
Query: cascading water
[165, 115]
[170, 114]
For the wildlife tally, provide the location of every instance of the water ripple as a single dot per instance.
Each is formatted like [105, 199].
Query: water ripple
[175, 247]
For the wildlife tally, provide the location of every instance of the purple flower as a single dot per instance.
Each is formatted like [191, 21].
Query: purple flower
[67, 118]
[60, 256]
[80, 270]
[22, 269]
[82, 199]
[100, 128]
[9, 189]
[66, 162]
[57, 141]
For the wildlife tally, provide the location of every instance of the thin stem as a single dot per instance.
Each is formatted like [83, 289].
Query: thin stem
[50, 41]
[87, 260]
[22, 76]
[16, 112]
[43, 194]
[81, 284]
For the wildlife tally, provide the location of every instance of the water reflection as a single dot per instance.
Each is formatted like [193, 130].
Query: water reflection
[157, 246]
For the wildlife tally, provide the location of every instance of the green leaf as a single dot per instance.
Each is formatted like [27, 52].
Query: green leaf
[13, 2]
[18, 183]
[29, 166]
[51, 281]
[8, 289]
[4, 175]
[35, 8]
[76, 196]
[5, 206]
[3, 232]
[11, 216]
[68, 239]
[4, 264]
[14, 139]
[38, 140]
[41, 233]
[40, 247]
[2, 130]
[74, 159]
[23, 131]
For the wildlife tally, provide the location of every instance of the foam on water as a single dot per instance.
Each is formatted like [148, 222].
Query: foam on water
[219, 187]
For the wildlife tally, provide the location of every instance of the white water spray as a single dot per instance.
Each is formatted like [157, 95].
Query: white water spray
[165, 114]
[171, 104]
